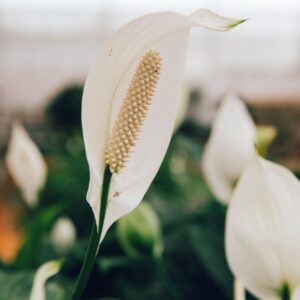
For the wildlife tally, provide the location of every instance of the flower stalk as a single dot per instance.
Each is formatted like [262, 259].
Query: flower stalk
[94, 241]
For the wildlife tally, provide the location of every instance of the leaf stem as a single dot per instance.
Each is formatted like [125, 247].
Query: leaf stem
[94, 241]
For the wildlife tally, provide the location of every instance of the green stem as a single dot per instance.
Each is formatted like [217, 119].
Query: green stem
[94, 241]
[285, 292]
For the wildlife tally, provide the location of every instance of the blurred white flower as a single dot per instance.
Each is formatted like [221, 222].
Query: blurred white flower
[229, 148]
[26, 164]
[262, 231]
[45, 271]
[63, 234]
[130, 104]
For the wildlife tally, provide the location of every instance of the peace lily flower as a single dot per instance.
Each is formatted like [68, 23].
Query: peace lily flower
[26, 164]
[45, 271]
[130, 103]
[262, 231]
[229, 148]
[63, 234]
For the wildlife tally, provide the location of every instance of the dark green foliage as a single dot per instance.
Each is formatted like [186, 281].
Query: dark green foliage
[65, 108]
[40, 224]
[193, 265]
[17, 286]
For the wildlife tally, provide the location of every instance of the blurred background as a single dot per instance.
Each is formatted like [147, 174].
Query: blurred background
[46, 50]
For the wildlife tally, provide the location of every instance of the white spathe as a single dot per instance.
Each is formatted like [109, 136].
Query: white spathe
[238, 290]
[262, 229]
[63, 234]
[26, 164]
[183, 107]
[105, 88]
[230, 146]
[45, 271]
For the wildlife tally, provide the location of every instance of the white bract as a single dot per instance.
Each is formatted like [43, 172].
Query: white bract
[26, 164]
[229, 148]
[124, 72]
[239, 290]
[63, 234]
[45, 271]
[262, 230]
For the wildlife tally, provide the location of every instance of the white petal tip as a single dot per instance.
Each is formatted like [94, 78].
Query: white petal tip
[213, 21]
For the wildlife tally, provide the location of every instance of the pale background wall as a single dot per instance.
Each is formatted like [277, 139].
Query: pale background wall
[47, 44]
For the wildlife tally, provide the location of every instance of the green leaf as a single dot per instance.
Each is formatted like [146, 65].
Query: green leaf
[15, 286]
[208, 245]
[106, 264]
[40, 225]
[139, 233]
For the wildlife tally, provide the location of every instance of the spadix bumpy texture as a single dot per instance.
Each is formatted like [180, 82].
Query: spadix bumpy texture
[133, 111]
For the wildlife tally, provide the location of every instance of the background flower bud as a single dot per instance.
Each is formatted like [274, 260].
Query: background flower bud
[139, 233]
[265, 135]
[63, 234]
